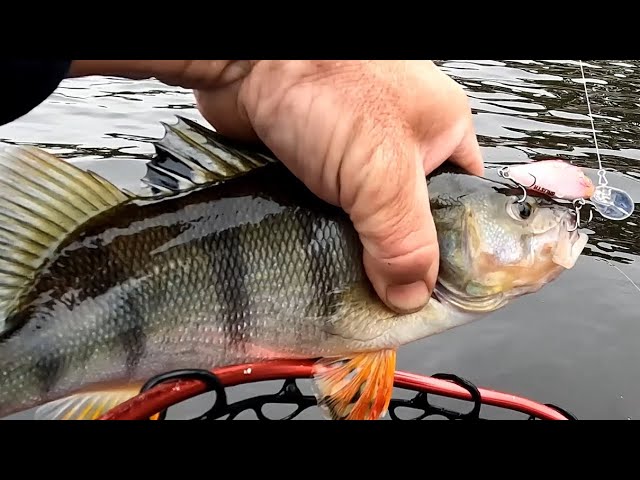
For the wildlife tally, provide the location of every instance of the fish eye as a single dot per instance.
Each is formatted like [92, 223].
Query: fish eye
[520, 210]
[524, 210]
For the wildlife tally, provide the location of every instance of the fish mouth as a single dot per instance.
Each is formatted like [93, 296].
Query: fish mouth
[579, 241]
[570, 245]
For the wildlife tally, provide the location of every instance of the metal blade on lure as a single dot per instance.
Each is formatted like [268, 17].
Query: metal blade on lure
[612, 203]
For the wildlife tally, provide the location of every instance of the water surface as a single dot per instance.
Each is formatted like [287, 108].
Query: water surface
[574, 344]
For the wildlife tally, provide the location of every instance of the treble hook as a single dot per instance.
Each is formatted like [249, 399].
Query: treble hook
[504, 173]
[577, 208]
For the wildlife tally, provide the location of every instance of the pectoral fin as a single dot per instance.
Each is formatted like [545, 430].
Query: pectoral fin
[357, 387]
[86, 405]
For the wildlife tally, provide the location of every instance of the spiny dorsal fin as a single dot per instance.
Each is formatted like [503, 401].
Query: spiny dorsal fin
[43, 199]
[190, 155]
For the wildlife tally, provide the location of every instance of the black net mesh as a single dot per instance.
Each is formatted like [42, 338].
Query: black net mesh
[416, 404]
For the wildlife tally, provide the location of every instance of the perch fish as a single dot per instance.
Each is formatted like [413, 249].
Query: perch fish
[227, 258]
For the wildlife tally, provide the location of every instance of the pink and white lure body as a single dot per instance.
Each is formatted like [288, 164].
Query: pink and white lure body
[555, 178]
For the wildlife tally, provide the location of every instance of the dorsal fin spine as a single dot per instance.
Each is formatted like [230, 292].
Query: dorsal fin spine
[191, 155]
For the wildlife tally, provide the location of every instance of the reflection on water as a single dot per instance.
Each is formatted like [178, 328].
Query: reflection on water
[95, 118]
[573, 344]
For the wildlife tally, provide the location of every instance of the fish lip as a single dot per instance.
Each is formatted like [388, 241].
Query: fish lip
[578, 241]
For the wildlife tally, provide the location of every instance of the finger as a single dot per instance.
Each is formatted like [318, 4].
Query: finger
[220, 107]
[467, 154]
[392, 215]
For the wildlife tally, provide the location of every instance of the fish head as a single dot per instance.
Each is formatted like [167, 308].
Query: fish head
[496, 244]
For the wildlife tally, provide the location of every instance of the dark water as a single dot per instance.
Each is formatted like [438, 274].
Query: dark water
[575, 343]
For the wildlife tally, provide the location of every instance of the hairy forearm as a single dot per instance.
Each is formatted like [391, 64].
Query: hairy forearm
[196, 74]
[118, 68]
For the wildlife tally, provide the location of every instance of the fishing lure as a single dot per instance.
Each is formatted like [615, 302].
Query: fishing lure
[555, 178]
[562, 180]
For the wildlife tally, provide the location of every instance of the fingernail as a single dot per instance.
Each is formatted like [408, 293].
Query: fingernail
[408, 298]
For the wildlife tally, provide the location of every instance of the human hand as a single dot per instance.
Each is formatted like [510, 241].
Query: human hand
[360, 134]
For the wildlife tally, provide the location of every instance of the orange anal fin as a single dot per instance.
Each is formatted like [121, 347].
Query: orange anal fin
[89, 405]
[357, 387]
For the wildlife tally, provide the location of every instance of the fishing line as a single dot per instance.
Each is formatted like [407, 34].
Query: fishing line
[617, 268]
[612, 203]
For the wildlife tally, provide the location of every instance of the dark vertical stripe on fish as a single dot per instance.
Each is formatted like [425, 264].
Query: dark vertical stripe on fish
[48, 371]
[228, 273]
[321, 272]
[133, 341]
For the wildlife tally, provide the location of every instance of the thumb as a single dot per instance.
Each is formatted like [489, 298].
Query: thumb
[393, 218]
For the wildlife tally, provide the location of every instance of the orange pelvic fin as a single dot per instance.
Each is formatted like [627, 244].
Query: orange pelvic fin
[357, 387]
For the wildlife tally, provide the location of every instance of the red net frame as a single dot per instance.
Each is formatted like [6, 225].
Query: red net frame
[165, 391]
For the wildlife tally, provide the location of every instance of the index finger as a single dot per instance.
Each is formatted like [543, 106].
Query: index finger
[467, 154]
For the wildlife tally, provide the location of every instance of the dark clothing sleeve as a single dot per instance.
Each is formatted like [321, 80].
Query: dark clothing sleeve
[25, 84]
